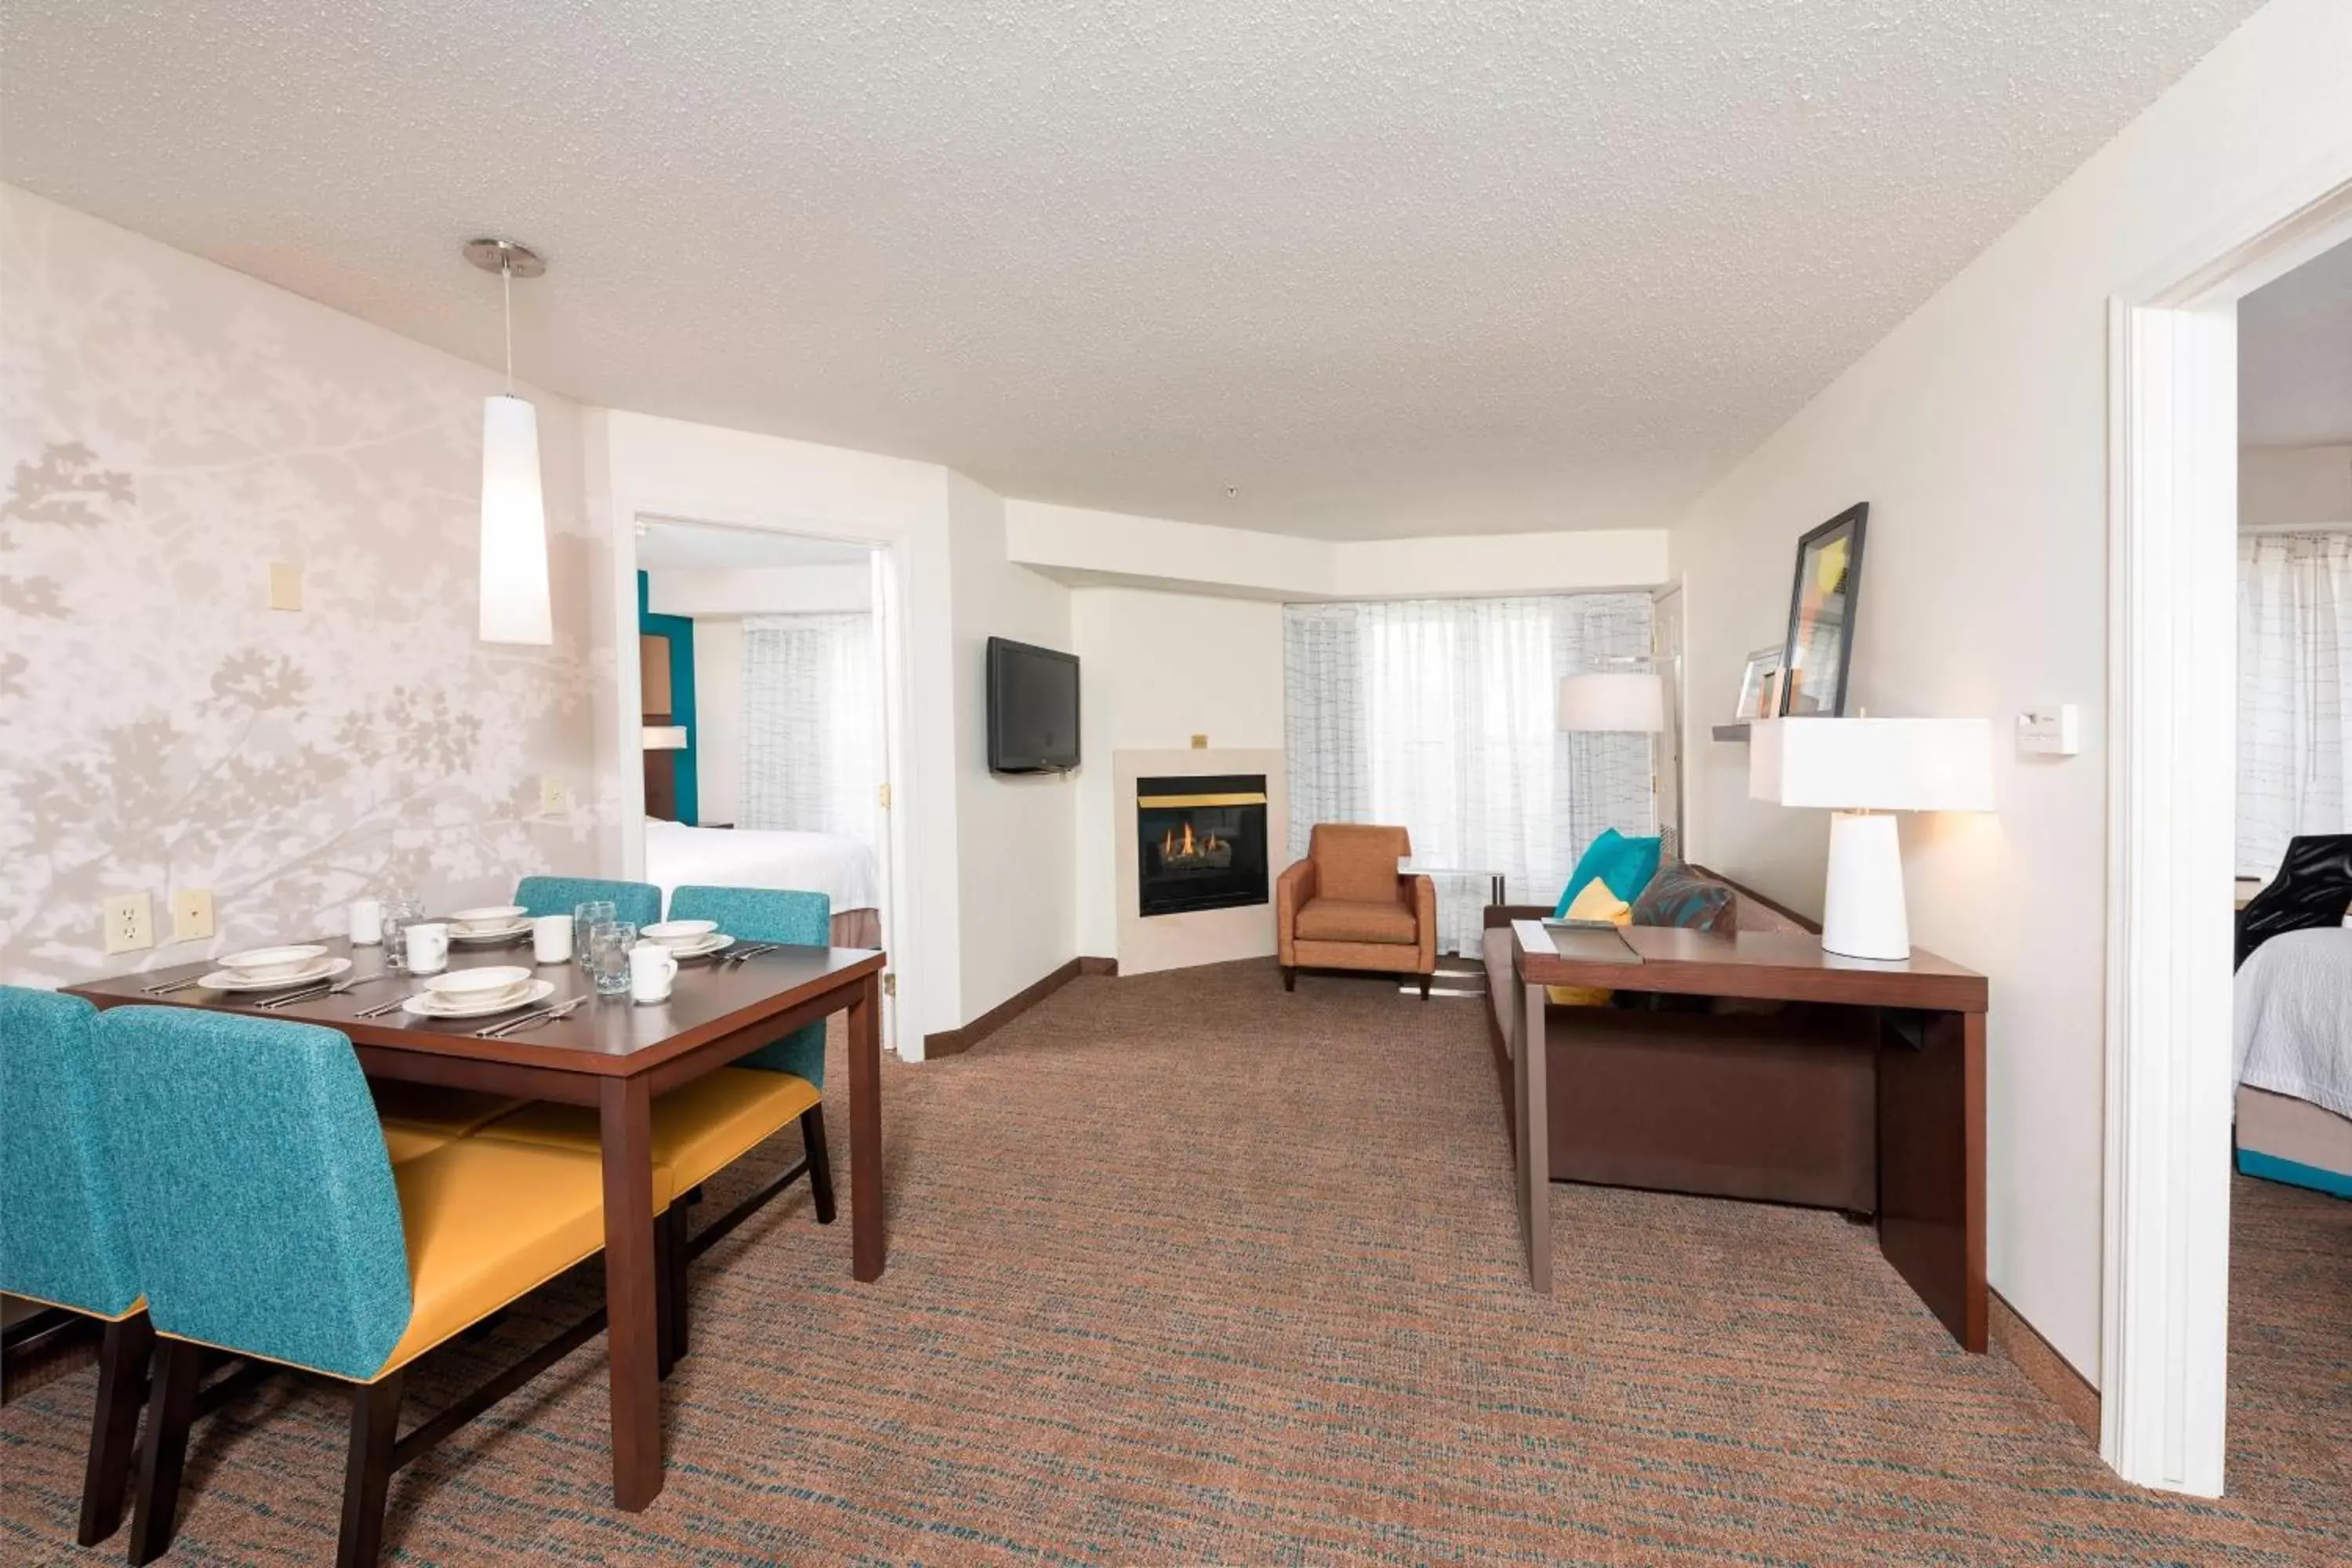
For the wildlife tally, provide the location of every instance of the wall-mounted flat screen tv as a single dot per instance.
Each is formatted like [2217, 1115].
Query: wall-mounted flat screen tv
[1033, 708]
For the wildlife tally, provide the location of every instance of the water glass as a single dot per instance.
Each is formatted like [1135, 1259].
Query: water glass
[609, 943]
[402, 908]
[585, 919]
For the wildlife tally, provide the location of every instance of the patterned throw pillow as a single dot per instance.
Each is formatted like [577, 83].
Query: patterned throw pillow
[1678, 896]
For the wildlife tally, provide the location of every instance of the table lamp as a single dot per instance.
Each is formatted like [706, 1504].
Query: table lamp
[1618, 701]
[1863, 770]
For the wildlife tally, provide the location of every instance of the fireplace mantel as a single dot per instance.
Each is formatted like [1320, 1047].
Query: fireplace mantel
[1183, 940]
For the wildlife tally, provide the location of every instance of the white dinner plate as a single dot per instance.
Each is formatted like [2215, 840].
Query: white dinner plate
[495, 933]
[431, 1006]
[230, 980]
[716, 942]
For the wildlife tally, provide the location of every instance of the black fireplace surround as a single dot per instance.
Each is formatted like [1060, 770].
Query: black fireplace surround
[1199, 842]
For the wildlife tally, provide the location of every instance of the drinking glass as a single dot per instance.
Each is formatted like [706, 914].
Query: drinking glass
[585, 919]
[401, 908]
[609, 943]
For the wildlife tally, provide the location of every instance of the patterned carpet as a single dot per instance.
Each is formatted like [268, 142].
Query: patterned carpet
[1187, 1270]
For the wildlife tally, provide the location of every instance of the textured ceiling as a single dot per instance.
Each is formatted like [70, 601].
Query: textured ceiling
[2294, 356]
[1387, 267]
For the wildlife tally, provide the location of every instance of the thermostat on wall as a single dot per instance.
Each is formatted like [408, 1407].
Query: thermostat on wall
[2050, 732]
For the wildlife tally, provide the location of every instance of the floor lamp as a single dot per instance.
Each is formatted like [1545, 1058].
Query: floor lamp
[1622, 701]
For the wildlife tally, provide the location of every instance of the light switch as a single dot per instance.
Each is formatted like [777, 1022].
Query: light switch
[1200, 742]
[129, 920]
[285, 585]
[2050, 732]
[191, 914]
[554, 799]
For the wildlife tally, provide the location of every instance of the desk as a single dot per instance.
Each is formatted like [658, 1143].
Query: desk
[1927, 1014]
[615, 1055]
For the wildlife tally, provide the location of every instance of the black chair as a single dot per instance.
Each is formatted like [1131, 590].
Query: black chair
[2313, 889]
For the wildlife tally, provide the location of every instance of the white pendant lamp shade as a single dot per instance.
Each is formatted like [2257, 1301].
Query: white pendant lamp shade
[515, 607]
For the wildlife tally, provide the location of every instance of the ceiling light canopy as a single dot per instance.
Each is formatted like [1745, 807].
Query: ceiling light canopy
[515, 601]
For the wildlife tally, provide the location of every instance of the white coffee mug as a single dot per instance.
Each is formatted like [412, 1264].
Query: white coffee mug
[367, 921]
[551, 939]
[428, 944]
[652, 967]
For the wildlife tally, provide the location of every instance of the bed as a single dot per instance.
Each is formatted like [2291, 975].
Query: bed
[2293, 1058]
[834, 864]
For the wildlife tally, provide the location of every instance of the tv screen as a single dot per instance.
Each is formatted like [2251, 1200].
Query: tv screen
[1033, 708]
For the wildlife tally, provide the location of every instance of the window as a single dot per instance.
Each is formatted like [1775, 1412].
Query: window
[2295, 672]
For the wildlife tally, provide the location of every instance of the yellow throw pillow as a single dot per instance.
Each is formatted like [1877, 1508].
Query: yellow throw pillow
[1596, 903]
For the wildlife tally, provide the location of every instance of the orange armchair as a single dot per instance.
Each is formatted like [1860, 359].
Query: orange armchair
[1346, 907]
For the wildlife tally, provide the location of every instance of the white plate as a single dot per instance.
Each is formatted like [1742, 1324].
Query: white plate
[274, 962]
[229, 980]
[493, 933]
[501, 982]
[489, 915]
[716, 942]
[680, 934]
[431, 1006]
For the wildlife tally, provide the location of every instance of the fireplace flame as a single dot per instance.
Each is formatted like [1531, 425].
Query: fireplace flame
[1185, 846]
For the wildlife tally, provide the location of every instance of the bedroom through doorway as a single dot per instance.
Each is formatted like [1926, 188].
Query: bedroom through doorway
[763, 662]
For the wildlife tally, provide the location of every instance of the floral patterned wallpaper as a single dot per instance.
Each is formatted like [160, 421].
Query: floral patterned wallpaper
[168, 428]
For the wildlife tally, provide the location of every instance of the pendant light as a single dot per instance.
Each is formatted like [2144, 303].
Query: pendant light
[515, 607]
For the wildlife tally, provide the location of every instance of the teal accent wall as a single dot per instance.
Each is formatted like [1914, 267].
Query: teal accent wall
[680, 630]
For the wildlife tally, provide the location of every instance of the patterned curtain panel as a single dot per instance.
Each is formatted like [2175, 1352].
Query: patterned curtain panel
[1438, 714]
[811, 705]
[2295, 672]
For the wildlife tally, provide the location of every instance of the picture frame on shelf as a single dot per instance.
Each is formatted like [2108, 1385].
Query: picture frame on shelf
[1815, 661]
[1759, 684]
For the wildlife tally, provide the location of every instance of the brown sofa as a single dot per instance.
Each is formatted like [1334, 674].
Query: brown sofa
[1346, 907]
[1771, 1102]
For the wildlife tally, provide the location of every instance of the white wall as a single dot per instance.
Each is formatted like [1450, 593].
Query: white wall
[1154, 670]
[719, 718]
[1082, 547]
[760, 590]
[1014, 838]
[2294, 486]
[1978, 431]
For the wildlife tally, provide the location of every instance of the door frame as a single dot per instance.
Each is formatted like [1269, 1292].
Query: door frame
[901, 1028]
[2171, 786]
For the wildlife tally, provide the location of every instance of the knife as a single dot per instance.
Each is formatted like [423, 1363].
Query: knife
[529, 1020]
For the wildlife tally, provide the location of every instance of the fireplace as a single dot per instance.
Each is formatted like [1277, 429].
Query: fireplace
[1199, 842]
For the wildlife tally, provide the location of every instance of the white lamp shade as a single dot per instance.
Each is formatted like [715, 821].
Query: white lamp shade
[665, 737]
[1872, 765]
[1619, 701]
[515, 606]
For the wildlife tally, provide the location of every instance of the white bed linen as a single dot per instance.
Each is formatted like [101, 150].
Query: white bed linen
[2294, 1017]
[834, 864]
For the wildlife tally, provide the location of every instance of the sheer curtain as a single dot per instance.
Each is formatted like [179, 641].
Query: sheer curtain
[2294, 674]
[809, 709]
[1438, 714]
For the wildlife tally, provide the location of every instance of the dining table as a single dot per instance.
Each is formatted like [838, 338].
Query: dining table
[615, 1054]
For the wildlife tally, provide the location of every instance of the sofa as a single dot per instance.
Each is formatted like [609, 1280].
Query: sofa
[1775, 1102]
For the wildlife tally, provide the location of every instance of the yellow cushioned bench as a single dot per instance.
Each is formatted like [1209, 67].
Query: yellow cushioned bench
[699, 1128]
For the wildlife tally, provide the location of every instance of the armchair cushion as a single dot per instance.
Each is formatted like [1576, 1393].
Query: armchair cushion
[1357, 919]
[1356, 861]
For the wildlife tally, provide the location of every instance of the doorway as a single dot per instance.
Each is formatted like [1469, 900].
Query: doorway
[768, 678]
[2172, 702]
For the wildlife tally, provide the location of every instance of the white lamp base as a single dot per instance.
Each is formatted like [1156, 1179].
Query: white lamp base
[1864, 917]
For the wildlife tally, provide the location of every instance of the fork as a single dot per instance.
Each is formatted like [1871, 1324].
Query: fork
[529, 1020]
[169, 986]
[395, 1006]
[755, 950]
[316, 992]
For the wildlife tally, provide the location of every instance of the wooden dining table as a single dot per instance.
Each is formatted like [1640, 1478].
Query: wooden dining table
[615, 1054]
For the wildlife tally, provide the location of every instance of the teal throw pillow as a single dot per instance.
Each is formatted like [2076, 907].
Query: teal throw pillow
[1626, 865]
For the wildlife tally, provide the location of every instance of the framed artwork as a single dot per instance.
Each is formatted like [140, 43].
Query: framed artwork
[1821, 617]
[1756, 687]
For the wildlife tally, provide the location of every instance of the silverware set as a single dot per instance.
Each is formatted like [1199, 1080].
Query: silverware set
[500, 1031]
[755, 950]
[314, 993]
[169, 986]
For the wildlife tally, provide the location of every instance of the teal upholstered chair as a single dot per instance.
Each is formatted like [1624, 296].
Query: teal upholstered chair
[268, 1219]
[638, 903]
[62, 1238]
[767, 915]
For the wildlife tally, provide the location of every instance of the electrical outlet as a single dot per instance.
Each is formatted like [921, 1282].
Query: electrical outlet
[130, 922]
[554, 799]
[191, 914]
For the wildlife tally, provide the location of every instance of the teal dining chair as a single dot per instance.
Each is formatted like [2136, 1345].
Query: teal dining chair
[269, 1221]
[63, 1242]
[638, 903]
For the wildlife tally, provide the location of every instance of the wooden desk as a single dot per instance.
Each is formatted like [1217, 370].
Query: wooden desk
[615, 1055]
[1930, 1120]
